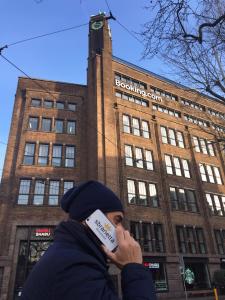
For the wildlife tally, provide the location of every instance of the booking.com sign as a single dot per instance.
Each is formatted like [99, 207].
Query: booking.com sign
[132, 88]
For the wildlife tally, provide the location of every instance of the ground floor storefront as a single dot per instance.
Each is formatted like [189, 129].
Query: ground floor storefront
[173, 275]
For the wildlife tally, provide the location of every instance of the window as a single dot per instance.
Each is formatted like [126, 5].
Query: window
[142, 193]
[169, 168]
[139, 128]
[67, 185]
[216, 204]
[210, 174]
[192, 104]
[39, 191]
[177, 166]
[43, 154]
[216, 114]
[59, 126]
[59, 105]
[71, 127]
[70, 157]
[165, 110]
[72, 106]
[220, 238]
[128, 155]
[183, 199]
[186, 170]
[33, 123]
[203, 146]
[29, 152]
[53, 192]
[172, 137]
[57, 155]
[191, 240]
[136, 127]
[149, 236]
[48, 103]
[46, 124]
[126, 124]
[131, 192]
[139, 158]
[35, 102]
[145, 129]
[149, 160]
[24, 191]
[196, 121]
[131, 98]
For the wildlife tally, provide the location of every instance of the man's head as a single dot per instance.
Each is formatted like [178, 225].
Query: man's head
[81, 201]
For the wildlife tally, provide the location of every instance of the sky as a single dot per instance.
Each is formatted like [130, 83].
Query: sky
[62, 56]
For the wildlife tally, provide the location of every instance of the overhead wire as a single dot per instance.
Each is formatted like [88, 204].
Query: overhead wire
[45, 34]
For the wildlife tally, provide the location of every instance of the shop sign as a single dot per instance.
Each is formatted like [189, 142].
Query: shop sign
[42, 232]
[151, 265]
[132, 88]
[189, 276]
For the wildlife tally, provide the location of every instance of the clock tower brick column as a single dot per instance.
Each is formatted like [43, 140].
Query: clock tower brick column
[102, 161]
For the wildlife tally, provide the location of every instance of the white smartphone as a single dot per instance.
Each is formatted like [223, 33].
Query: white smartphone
[103, 229]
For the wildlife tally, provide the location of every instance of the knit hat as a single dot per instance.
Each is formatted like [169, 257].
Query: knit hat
[81, 201]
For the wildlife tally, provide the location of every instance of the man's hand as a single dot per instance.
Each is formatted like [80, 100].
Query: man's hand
[128, 250]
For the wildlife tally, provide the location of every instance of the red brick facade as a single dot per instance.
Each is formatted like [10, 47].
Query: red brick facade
[98, 142]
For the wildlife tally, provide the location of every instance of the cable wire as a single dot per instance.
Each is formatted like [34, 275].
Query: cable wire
[131, 33]
[47, 34]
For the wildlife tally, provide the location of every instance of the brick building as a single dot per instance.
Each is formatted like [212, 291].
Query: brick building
[153, 141]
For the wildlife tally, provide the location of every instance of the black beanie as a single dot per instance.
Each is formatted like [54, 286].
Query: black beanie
[81, 201]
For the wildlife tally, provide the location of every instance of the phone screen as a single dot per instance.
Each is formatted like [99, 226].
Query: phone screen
[103, 229]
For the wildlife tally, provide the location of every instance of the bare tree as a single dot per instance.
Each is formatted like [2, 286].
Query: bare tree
[190, 35]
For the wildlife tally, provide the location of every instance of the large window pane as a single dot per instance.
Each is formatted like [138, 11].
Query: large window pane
[35, 102]
[24, 191]
[168, 162]
[53, 192]
[172, 137]
[145, 129]
[126, 124]
[136, 126]
[177, 166]
[153, 195]
[29, 152]
[43, 154]
[39, 191]
[46, 124]
[203, 146]
[48, 103]
[196, 143]
[131, 191]
[149, 160]
[57, 155]
[139, 158]
[210, 174]
[59, 126]
[128, 155]
[164, 135]
[142, 193]
[70, 156]
[180, 139]
[186, 168]
[217, 205]
[202, 172]
[71, 127]
[67, 185]
[33, 123]
[173, 198]
[210, 203]
[217, 175]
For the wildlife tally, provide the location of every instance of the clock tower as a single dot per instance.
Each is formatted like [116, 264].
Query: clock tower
[102, 156]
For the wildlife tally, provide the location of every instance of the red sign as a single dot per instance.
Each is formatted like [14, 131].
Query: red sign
[46, 232]
[151, 265]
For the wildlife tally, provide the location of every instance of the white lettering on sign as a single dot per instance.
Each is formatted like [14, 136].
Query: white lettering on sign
[137, 90]
[43, 232]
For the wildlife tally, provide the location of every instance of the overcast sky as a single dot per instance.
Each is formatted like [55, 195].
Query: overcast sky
[61, 57]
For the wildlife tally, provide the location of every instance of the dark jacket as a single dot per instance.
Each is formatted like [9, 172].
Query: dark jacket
[74, 268]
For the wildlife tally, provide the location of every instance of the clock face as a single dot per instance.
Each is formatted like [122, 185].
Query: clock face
[97, 25]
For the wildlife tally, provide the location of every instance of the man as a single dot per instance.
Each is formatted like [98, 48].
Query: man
[75, 265]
